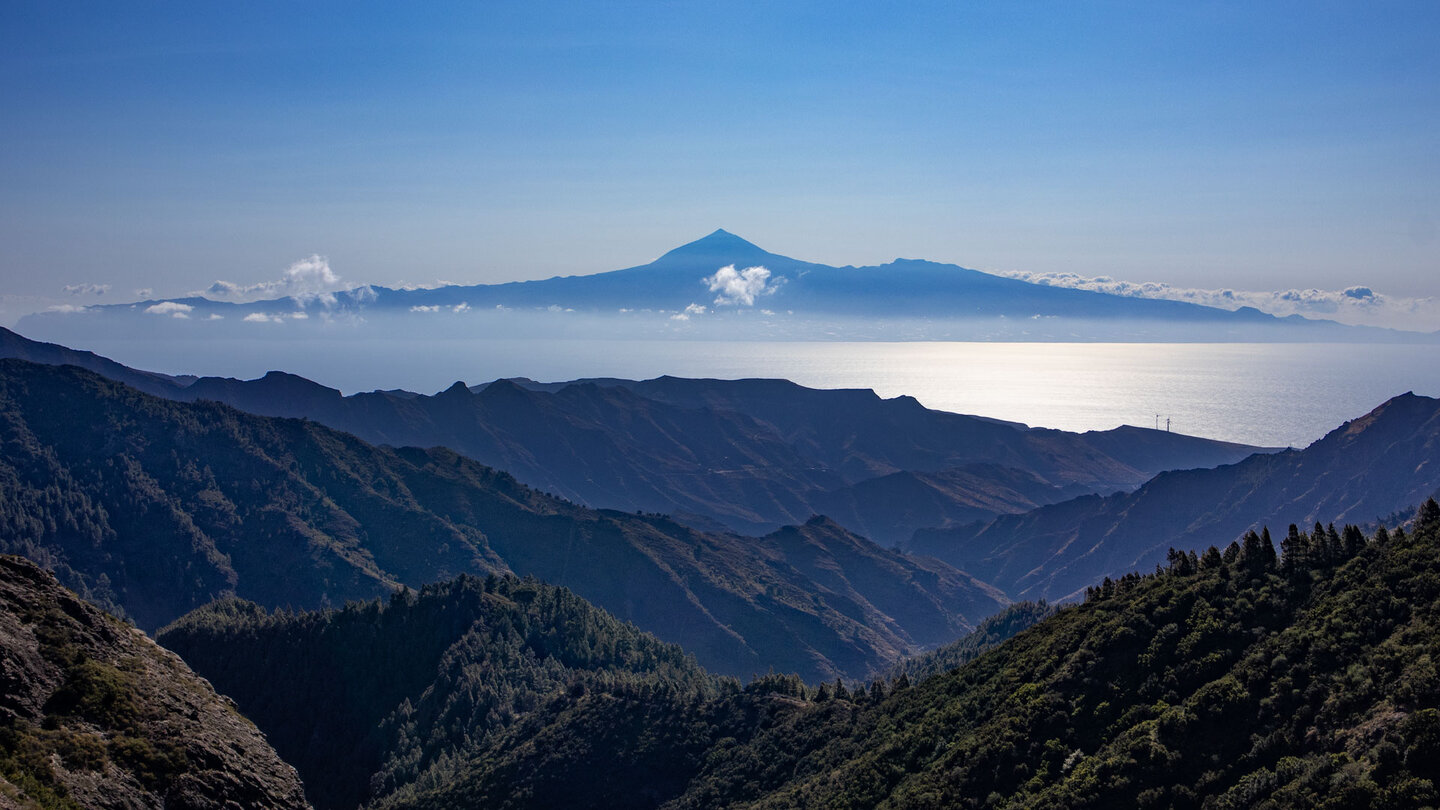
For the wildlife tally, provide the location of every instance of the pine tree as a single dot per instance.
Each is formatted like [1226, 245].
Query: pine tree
[1352, 540]
[1211, 559]
[1427, 516]
[1295, 551]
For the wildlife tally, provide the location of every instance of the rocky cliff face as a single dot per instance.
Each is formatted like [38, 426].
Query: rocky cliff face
[94, 714]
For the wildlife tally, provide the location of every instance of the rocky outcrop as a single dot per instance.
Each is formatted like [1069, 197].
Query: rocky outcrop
[94, 714]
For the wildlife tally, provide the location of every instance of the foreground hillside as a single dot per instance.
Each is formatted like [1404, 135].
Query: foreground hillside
[1361, 472]
[94, 715]
[155, 508]
[1228, 679]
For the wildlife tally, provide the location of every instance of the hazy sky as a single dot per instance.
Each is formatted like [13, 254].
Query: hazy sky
[1252, 145]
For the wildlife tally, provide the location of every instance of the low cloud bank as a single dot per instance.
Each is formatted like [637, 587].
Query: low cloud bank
[1360, 306]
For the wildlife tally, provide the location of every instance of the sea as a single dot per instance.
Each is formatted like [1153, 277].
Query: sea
[1265, 394]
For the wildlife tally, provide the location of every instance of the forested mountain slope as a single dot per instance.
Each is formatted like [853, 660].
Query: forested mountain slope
[1228, 679]
[156, 507]
[1362, 471]
[381, 701]
[381, 696]
[95, 715]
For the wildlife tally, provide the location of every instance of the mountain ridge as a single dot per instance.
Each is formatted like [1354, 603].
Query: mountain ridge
[1360, 472]
[751, 454]
[158, 507]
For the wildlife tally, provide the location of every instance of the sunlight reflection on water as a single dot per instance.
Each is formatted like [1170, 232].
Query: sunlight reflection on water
[1266, 394]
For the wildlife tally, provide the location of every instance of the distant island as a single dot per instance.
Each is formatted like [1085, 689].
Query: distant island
[722, 286]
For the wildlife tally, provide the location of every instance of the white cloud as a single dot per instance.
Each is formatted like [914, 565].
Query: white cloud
[174, 309]
[460, 307]
[1361, 306]
[144, 292]
[738, 288]
[68, 309]
[425, 308]
[684, 315]
[299, 316]
[86, 289]
[310, 279]
[215, 316]
[260, 317]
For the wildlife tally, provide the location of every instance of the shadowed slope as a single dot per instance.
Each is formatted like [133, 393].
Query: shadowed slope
[1360, 472]
[157, 507]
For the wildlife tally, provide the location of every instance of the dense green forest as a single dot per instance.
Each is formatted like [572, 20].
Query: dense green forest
[1233, 678]
[385, 694]
[383, 701]
[1253, 676]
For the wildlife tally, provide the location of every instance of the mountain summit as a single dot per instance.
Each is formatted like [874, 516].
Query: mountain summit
[720, 249]
[718, 243]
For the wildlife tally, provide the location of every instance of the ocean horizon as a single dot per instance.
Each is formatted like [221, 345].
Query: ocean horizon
[1267, 394]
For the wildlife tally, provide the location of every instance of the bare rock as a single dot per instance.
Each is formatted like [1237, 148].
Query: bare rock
[94, 714]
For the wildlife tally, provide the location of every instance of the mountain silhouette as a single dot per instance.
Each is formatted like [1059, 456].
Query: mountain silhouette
[746, 455]
[901, 290]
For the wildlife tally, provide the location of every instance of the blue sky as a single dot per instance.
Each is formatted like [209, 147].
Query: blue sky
[1251, 145]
